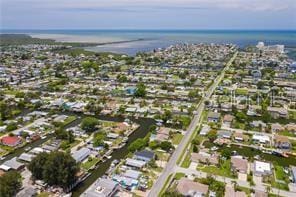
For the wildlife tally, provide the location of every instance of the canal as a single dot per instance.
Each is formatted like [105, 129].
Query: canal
[140, 132]
[118, 154]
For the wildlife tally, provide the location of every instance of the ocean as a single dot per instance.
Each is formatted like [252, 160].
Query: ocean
[147, 40]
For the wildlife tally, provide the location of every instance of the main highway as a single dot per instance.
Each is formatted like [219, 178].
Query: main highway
[158, 185]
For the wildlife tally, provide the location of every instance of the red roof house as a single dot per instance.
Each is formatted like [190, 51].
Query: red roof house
[11, 141]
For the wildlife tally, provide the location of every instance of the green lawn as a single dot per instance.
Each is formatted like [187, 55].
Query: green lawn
[65, 144]
[163, 189]
[292, 115]
[187, 160]
[287, 133]
[163, 156]
[280, 174]
[69, 120]
[224, 170]
[89, 163]
[177, 138]
[242, 91]
[282, 186]
[179, 175]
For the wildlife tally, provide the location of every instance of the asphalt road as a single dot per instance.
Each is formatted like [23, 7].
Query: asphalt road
[157, 186]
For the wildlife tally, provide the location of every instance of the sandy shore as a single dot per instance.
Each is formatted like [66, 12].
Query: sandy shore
[78, 38]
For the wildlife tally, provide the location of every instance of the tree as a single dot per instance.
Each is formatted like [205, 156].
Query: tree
[89, 124]
[165, 145]
[141, 90]
[138, 144]
[167, 115]
[11, 126]
[226, 153]
[195, 149]
[153, 145]
[98, 139]
[212, 135]
[36, 166]
[55, 168]
[241, 116]
[10, 183]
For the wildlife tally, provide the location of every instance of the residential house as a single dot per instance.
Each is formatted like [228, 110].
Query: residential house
[278, 112]
[240, 137]
[144, 155]
[227, 120]
[205, 129]
[11, 141]
[135, 163]
[163, 134]
[238, 164]
[260, 138]
[230, 192]
[224, 134]
[258, 123]
[12, 164]
[188, 187]
[262, 168]
[206, 158]
[282, 142]
[26, 157]
[213, 117]
[276, 127]
[81, 154]
[102, 188]
[291, 127]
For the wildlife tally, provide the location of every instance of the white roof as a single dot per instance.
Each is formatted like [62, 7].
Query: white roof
[261, 166]
[261, 138]
[4, 167]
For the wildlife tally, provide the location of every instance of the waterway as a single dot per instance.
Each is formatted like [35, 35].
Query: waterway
[141, 132]
[118, 154]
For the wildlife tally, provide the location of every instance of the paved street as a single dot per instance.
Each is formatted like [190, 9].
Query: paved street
[157, 186]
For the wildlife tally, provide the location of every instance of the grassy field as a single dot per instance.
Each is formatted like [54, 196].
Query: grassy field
[187, 160]
[177, 138]
[224, 170]
[89, 163]
[69, 120]
[287, 133]
[280, 173]
[163, 189]
[179, 175]
[241, 91]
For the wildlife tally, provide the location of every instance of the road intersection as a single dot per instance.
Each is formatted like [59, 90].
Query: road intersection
[158, 185]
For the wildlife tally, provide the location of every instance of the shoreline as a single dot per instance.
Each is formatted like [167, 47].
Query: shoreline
[65, 38]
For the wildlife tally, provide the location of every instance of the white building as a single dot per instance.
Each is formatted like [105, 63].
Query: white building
[262, 168]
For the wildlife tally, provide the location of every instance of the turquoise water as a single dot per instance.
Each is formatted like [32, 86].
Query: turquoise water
[162, 38]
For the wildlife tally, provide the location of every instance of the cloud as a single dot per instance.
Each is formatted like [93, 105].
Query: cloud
[131, 5]
[194, 14]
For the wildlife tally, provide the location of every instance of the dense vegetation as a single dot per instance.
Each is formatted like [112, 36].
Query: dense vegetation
[60, 164]
[10, 183]
[89, 124]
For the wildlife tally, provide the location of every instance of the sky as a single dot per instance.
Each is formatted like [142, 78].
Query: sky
[148, 14]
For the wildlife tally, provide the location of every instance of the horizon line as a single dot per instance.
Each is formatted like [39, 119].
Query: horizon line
[148, 29]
